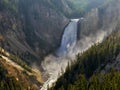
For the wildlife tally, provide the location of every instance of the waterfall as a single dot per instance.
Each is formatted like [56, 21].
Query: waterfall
[69, 38]
[53, 64]
[68, 49]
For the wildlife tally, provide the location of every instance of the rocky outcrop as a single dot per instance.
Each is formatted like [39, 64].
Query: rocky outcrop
[115, 64]
[31, 29]
[105, 19]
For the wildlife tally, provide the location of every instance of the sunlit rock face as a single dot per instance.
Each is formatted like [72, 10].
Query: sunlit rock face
[105, 18]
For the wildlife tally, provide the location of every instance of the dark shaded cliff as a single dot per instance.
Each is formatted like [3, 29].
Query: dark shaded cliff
[30, 29]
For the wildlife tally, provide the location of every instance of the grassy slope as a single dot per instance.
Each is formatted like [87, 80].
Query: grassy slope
[16, 74]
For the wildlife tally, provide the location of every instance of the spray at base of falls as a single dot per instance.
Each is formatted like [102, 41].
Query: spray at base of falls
[53, 64]
[68, 49]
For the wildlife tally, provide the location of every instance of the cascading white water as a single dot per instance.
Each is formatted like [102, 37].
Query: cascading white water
[52, 64]
[69, 38]
[68, 49]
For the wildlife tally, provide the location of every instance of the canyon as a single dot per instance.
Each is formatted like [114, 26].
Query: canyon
[46, 35]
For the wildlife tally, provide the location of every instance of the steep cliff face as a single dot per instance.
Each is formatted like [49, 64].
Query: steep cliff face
[15, 74]
[105, 19]
[30, 29]
[77, 8]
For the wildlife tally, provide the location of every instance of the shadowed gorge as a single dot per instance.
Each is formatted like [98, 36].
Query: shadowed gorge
[31, 29]
[59, 44]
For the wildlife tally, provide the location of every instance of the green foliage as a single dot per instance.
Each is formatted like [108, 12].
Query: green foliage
[78, 7]
[16, 59]
[9, 5]
[8, 82]
[20, 62]
[108, 81]
[77, 76]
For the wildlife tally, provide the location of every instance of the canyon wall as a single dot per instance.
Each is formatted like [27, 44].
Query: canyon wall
[30, 29]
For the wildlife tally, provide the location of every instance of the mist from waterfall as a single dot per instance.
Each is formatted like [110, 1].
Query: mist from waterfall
[55, 64]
